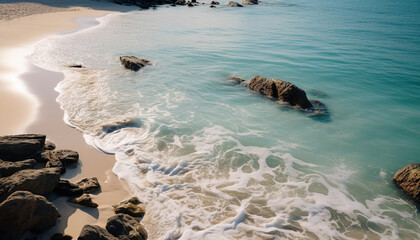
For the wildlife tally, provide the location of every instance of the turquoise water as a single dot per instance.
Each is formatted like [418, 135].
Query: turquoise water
[214, 160]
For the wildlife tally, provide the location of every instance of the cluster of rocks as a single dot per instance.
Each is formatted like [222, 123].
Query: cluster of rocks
[30, 170]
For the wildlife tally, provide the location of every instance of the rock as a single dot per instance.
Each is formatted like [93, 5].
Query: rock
[60, 236]
[249, 2]
[84, 200]
[9, 168]
[93, 232]
[233, 4]
[408, 179]
[126, 227]
[49, 145]
[67, 157]
[132, 207]
[89, 184]
[190, 5]
[76, 66]
[212, 6]
[67, 188]
[20, 147]
[236, 79]
[181, 2]
[282, 90]
[37, 181]
[133, 63]
[55, 163]
[214, 3]
[23, 211]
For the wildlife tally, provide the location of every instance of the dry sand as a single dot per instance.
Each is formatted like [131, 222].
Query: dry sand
[27, 102]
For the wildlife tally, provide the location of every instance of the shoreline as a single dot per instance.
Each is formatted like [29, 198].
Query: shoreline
[35, 88]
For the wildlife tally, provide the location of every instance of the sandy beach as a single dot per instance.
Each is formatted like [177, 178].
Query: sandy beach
[27, 101]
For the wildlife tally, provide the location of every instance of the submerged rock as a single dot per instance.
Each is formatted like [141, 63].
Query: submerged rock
[133, 63]
[67, 188]
[20, 147]
[124, 226]
[93, 232]
[249, 2]
[233, 4]
[89, 184]
[37, 181]
[84, 200]
[236, 79]
[23, 211]
[8, 168]
[408, 179]
[132, 207]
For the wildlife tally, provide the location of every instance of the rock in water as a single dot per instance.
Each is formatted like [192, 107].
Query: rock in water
[132, 207]
[23, 211]
[9, 168]
[249, 2]
[20, 147]
[236, 79]
[84, 200]
[37, 181]
[233, 4]
[133, 63]
[89, 184]
[282, 90]
[126, 227]
[93, 232]
[408, 179]
[67, 188]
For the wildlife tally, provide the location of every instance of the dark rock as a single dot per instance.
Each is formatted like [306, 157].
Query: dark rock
[67, 157]
[84, 200]
[23, 211]
[408, 179]
[132, 207]
[49, 145]
[212, 6]
[8, 168]
[60, 236]
[37, 181]
[319, 111]
[236, 79]
[126, 227]
[282, 90]
[67, 188]
[190, 5]
[20, 147]
[233, 4]
[133, 63]
[93, 232]
[89, 184]
[181, 2]
[214, 3]
[76, 66]
[249, 2]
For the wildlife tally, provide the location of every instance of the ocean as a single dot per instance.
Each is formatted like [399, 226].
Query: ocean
[214, 160]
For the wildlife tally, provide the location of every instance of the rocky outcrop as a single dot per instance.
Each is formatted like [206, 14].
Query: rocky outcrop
[133, 63]
[49, 145]
[282, 90]
[93, 232]
[8, 168]
[66, 188]
[89, 184]
[124, 226]
[59, 159]
[249, 2]
[132, 207]
[408, 179]
[23, 211]
[60, 236]
[37, 181]
[20, 147]
[84, 200]
[233, 4]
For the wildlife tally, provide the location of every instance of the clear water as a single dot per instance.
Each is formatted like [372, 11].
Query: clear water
[213, 160]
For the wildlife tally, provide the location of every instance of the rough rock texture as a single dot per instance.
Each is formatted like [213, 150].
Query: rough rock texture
[67, 188]
[20, 147]
[236, 79]
[132, 207]
[24, 211]
[93, 232]
[233, 4]
[49, 145]
[126, 227]
[60, 236]
[8, 168]
[249, 2]
[89, 184]
[84, 200]
[282, 90]
[67, 157]
[408, 179]
[133, 63]
[37, 181]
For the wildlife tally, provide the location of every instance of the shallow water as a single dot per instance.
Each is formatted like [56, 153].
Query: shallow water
[214, 160]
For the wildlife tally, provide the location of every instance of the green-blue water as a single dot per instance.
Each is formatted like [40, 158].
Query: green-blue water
[214, 160]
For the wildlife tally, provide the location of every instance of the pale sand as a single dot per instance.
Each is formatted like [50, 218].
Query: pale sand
[27, 104]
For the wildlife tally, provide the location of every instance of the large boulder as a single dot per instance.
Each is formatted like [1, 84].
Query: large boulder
[37, 181]
[89, 184]
[249, 2]
[8, 168]
[84, 200]
[408, 179]
[132, 207]
[66, 188]
[23, 211]
[282, 90]
[20, 147]
[124, 226]
[93, 232]
[133, 63]
[233, 4]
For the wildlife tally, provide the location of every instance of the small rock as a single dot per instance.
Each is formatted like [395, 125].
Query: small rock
[84, 200]
[21, 147]
[212, 6]
[23, 211]
[132, 207]
[76, 66]
[9, 168]
[126, 227]
[93, 232]
[67, 188]
[60, 236]
[408, 179]
[236, 79]
[249, 2]
[49, 145]
[89, 184]
[214, 3]
[133, 63]
[233, 4]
